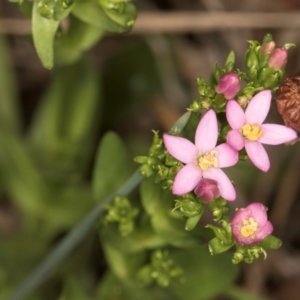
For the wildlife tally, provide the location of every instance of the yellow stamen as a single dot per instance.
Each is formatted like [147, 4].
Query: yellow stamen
[252, 132]
[205, 161]
[249, 227]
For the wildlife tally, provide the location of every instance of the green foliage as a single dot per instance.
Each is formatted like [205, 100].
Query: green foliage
[112, 167]
[73, 290]
[205, 276]
[43, 31]
[9, 111]
[63, 132]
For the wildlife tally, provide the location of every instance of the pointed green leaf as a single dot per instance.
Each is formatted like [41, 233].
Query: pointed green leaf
[43, 31]
[113, 166]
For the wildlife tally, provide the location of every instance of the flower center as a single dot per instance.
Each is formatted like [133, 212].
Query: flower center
[252, 132]
[206, 161]
[249, 227]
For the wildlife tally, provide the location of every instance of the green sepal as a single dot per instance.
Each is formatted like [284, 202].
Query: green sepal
[220, 233]
[217, 246]
[271, 242]
[192, 222]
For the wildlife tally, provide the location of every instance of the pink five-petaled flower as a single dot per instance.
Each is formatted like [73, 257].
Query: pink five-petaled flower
[250, 225]
[249, 132]
[203, 159]
[228, 85]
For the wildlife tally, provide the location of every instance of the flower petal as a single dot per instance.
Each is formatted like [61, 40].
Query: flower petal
[266, 230]
[235, 115]
[258, 212]
[181, 148]
[235, 140]
[258, 155]
[258, 108]
[186, 179]
[207, 132]
[276, 134]
[227, 156]
[225, 186]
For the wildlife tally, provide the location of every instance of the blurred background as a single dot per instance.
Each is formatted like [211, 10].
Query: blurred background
[142, 80]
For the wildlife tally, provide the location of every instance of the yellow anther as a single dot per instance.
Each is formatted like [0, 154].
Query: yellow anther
[249, 227]
[252, 132]
[206, 161]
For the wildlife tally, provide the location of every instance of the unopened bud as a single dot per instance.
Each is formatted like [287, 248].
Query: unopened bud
[268, 47]
[229, 84]
[207, 189]
[278, 58]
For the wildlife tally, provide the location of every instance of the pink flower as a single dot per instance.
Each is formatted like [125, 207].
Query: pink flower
[250, 225]
[249, 132]
[278, 58]
[207, 189]
[228, 85]
[203, 159]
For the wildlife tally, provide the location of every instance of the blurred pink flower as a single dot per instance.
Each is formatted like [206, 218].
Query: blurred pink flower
[207, 189]
[250, 225]
[278, 58]
[249, 132]
[203, 159]
[228, 85]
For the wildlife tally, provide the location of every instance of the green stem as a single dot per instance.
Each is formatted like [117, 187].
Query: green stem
[70, 241]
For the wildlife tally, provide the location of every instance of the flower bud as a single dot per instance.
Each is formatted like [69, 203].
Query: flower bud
[229, 84]
[268, 47]
[278, 58]
[207, 189]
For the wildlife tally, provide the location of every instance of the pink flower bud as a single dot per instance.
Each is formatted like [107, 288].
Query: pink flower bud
[250, 225]
[268, 47]
[207, 189]
[278, 58]
[229, 84]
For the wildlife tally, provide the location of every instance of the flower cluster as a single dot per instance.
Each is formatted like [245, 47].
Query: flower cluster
[201, 152]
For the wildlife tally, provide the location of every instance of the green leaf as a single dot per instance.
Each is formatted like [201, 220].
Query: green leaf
[43, 31]
[100, 15]
[271, 242]
[205, 276]
[216, 246]
[18, 173]
[9, 111]
[112, 168]
[66, 124]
